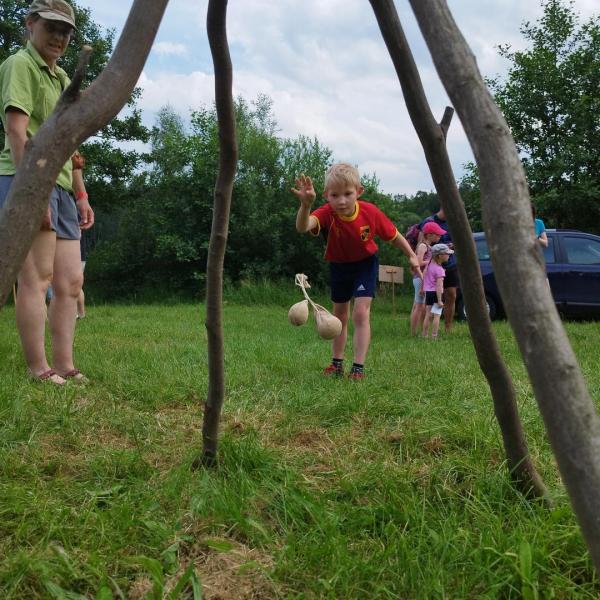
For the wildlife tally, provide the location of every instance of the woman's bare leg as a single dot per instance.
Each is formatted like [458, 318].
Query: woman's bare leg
[34, 279]
[66, 283]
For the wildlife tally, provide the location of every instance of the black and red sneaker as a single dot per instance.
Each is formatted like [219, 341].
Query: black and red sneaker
[333, 371]
[355, 375]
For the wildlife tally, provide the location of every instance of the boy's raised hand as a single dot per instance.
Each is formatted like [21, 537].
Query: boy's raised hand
[304, 190]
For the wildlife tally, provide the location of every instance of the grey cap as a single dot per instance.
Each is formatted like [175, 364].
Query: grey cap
[441, 249]
[53, 10]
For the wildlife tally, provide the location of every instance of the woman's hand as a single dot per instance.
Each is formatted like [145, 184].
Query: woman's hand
[86, 214]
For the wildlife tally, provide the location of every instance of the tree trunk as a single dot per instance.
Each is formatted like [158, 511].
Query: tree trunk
[76, 117]
[217, 36]
[568, 411]
[433, 139]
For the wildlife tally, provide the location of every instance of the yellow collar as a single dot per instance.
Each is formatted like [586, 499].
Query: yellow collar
[353, 216]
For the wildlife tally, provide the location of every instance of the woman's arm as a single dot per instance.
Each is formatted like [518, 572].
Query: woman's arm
[16, 131]
[86, 213]
[543, 239]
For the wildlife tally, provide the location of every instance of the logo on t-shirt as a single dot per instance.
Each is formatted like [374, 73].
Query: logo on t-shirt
[361, 288]
[365, 232]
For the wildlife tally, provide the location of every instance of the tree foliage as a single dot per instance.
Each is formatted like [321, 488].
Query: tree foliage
[551, 101]
[163, 229]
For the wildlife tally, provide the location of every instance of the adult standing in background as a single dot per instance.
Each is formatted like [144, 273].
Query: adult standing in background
[540, 230]
[31, 83]
[451, 281]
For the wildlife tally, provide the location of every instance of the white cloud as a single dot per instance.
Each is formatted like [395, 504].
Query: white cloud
[327, 70]
[170, 48]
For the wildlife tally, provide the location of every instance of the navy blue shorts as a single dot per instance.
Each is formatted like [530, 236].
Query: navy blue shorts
[63, 211]
[353, 280]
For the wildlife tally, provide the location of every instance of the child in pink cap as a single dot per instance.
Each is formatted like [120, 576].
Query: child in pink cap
[433, 284]
[431, 235]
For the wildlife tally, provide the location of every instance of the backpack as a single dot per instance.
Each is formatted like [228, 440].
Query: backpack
[412, 235]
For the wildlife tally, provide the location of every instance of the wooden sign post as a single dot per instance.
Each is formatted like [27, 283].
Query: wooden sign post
[393, 275]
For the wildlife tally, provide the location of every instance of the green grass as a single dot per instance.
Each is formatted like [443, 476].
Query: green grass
[394, 487]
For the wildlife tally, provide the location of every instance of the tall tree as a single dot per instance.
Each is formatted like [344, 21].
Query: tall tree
[551, 101]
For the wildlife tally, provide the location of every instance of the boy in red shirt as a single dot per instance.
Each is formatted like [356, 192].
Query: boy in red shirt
[351, 226]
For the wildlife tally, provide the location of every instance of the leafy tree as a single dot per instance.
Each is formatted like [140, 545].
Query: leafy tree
[551, 102]
[470, 194]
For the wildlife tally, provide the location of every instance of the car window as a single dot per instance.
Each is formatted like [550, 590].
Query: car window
[549, 255]
[483, 252]
[482, 249]
[582, 251]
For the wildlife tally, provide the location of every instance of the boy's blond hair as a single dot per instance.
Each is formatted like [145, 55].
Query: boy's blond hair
[342, 173]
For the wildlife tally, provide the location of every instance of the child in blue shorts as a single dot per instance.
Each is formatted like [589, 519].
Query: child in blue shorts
[351, 226]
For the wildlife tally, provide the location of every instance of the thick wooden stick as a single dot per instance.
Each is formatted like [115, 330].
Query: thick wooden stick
[567, 408]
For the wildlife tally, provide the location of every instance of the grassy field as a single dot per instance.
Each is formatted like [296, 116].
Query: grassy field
[393, 487]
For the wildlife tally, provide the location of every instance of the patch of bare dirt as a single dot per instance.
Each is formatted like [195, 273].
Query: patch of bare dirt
[140, 589]
[434, 445]
[237, 573]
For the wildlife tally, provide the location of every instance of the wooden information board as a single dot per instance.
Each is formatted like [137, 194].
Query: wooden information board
[393, 275]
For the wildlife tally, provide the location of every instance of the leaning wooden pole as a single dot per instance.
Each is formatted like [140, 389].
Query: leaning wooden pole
[433, 139]
[567, 408]
[76, 116]
[217, 37]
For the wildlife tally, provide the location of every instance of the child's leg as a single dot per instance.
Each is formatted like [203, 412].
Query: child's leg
[426, 321]
[342, 311]
[362, 328]
[436, 325]
[413, 318]
[418, 309]
[420, 318]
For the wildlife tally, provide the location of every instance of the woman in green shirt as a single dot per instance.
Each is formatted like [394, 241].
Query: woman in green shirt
[30, 85]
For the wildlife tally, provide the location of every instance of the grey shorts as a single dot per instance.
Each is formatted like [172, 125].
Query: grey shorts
[63, 211]
[418, 284]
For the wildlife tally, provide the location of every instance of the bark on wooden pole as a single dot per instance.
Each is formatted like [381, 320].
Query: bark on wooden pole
[433, 139]
[567, 408]
[217, 37]
[76, 116]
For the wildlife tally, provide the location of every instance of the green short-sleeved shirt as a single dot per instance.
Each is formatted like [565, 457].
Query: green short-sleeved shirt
[27, 83]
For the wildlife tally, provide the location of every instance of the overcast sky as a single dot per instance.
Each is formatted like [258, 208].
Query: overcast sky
[326, 68]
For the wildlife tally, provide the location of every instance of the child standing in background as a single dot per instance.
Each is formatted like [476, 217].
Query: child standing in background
[433, 284]
[431, 235]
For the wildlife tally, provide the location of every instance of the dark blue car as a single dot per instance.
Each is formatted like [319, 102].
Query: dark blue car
[573, 268]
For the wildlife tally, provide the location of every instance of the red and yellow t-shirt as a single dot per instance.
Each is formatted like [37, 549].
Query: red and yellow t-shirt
[350, 239]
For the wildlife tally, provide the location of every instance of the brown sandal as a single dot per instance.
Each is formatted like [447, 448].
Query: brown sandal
[50, 376]
[76, 376]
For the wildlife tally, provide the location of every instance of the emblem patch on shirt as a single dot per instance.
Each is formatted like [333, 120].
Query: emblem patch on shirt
[365, 232]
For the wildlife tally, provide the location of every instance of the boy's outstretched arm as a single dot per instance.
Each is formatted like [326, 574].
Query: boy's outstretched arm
[400, 242]
[305, 192]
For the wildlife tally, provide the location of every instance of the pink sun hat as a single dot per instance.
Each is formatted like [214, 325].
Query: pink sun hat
[433, 227]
